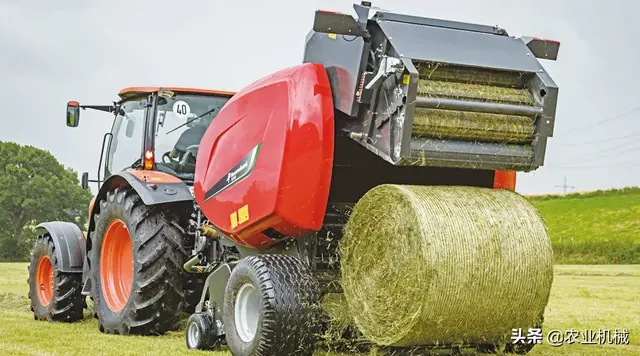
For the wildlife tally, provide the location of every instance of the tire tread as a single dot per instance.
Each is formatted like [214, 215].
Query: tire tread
[291, 308]
[157, 293]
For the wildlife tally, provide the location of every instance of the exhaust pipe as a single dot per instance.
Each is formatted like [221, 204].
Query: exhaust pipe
[190, 266]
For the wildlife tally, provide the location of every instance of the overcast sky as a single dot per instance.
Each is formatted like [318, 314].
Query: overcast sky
[55, 51]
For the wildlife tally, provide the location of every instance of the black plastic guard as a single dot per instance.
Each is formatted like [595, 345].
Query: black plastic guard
[69, 244]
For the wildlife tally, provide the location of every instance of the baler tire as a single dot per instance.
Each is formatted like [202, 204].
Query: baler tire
[63, 300]
[287, 307]
[199, 333]
[154, 301]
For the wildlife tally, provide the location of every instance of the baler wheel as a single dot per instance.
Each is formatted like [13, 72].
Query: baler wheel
[136, 266]
[271, 307]
[55, 295]
[199, 333]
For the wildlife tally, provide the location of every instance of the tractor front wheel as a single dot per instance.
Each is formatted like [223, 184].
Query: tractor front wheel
[271, 307]
[136, 266]
[55, 295]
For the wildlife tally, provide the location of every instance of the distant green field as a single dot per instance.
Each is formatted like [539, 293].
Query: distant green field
[601, 227]
[585, 298]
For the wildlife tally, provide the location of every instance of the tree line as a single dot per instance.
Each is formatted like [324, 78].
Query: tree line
[35, 188]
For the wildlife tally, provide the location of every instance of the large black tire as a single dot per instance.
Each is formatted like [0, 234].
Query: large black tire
[65, 302]
[287, 307]
[156, 297]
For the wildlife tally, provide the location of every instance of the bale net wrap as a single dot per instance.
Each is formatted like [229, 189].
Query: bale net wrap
[435, 265]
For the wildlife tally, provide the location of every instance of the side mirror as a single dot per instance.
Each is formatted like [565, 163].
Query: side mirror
[85, 180]
[73, 114]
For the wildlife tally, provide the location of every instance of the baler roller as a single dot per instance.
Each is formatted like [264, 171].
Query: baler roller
[473, 106]
[490, 108]
[475, 85]
[463, 125]
[456, 154]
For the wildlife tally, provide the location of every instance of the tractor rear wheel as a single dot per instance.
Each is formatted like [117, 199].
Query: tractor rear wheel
[55, 295]
[271, 307]
[136, 266]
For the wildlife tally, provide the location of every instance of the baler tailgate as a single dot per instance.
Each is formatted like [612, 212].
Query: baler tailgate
[429, 92]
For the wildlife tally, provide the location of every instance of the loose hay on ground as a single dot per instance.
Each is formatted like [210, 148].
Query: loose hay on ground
[14, 302]
[444, 265]
[340, 333]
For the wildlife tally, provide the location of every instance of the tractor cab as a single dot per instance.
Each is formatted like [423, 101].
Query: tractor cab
[154, 129]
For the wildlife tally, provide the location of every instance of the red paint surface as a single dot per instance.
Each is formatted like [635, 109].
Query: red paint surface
[291, 113]
[505, 180]
[546, 40]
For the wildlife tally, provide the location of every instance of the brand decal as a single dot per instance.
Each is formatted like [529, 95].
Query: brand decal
[239, 171]
[233, 176]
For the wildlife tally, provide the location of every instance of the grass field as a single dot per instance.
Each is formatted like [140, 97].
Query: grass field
[601, 227]
[596, 240]
[583, 298]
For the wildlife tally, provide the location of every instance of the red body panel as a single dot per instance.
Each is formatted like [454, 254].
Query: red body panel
[504, 180]
[290, 114]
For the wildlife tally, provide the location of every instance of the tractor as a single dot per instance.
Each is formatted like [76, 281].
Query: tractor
[230, 206]
[141, 229]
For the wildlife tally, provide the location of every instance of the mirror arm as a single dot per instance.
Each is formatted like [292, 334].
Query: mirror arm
[105, 108]
[104, 140]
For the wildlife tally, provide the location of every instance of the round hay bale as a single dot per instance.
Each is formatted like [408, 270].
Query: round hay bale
[438, 265]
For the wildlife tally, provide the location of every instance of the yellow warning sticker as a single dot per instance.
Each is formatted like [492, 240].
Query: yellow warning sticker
[332, 36]
[234, 220]
[243, 214]
[406, 79]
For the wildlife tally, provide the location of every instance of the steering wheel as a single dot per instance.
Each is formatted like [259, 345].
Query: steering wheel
[191, 151]
[168, 157]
